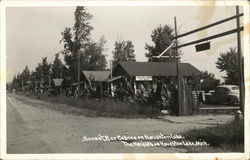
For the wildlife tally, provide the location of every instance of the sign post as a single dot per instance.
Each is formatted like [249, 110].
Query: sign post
[240, 62]
[179, 78]
[143, 78]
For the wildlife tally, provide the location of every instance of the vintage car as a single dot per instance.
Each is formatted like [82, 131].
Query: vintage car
[209, 93]
[224, 94]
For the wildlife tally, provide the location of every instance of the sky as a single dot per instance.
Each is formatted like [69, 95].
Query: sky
[35, 32]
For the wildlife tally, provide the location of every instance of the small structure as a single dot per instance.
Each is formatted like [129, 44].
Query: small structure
[158, 79]
[28, 82]
[146, 72]
[28, 86]
[93, 82]
[57, 84]
[97, 76]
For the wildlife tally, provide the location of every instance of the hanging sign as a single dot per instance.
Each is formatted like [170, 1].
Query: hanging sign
[202, 47]
[143, 78]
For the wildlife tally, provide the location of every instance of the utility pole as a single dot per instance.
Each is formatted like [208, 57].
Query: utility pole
[22, 85]
[111, 75]
[78, 74]
[111, 69]
[240, 62]
[49, 77]
[179, 84]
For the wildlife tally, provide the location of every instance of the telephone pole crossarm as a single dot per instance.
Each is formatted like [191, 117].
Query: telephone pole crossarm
[211, 37]
[208, 26]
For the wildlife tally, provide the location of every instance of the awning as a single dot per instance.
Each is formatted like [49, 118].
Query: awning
[97, 76]
[74, 84]
[28, 82]
[112, 79]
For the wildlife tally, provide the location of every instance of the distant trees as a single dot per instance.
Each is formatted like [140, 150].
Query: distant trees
[93, 58]
[75, 39]
[124, 51]
[41, 74]
[33, 76]
[25, 75]
[162, 37]
[16, 82]
[77, 42]
[229, 62]
[209, 81]
[205, 81]
[57, 67]
[20, 80]
[43, 71]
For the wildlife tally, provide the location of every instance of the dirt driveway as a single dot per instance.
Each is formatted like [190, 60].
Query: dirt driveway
[34, 127]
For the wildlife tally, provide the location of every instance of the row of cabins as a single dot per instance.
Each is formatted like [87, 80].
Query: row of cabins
[136, 73]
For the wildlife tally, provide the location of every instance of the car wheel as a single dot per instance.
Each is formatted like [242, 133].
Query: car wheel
[207, 101]
[230, 102]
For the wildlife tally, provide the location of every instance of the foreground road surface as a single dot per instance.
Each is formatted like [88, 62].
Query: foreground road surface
[33, 127]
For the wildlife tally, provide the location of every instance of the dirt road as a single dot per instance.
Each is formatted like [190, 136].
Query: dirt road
[34, 127]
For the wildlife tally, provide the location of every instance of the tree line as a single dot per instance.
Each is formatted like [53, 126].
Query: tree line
[78, 44]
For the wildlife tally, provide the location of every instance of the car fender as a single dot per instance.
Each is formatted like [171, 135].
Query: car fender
[233, 97]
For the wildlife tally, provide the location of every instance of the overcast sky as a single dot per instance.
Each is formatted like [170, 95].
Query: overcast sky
[35, 32]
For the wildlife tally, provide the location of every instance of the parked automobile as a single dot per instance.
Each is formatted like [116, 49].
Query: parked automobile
[209, 93]
[224, 94]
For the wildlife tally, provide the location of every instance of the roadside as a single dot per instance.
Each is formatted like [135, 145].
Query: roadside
[61, 128]
[223, 138]
[19, 133]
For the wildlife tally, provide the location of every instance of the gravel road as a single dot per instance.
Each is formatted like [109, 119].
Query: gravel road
[34, 127]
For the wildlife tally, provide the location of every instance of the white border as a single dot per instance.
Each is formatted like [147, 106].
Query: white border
[3, 82]
[136, 156]
[56, 3]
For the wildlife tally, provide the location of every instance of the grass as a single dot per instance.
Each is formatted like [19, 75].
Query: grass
[107, 107]
[223, 138]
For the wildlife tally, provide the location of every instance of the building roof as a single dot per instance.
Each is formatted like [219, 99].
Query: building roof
[157, 68]
[58, 82]
[227, 86]
[111, 79]
[97, 75]
[74, 84]
[28, 82]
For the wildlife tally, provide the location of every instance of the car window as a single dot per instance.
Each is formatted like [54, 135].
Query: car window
[220, 89]
[235, 88]
[217, 90]
[226, 89]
